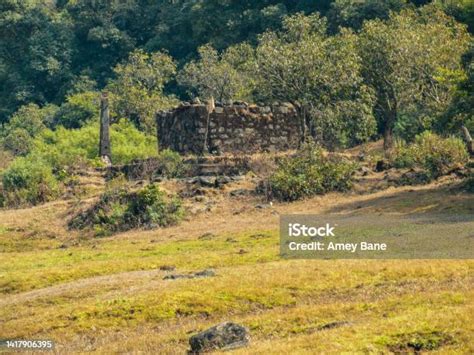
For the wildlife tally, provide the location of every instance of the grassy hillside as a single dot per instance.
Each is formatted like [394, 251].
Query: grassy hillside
[109, 294]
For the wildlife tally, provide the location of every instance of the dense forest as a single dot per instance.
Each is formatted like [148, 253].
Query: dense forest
[354, 70]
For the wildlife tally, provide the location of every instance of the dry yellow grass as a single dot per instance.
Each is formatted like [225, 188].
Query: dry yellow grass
[108, 295]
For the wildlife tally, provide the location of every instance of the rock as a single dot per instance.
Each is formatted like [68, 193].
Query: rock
[200, 198]
[167, 267]
[223, 336]
[240, 192]
[364, 171]
[203, 273]
[414, 177]
[222, 180]
[382, 165]
[207, 181]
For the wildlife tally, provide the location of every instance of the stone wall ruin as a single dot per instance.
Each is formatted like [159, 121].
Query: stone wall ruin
[193, 129]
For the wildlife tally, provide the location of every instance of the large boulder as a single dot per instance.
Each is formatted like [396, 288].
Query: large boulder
[223, 336]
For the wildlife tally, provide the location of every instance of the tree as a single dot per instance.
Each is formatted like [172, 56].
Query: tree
[461, 10]
[320, 76]
[25, 124]
[461, 110]
[353, 13]
[137, 90]
[224, 77]
[36, 50]
[405, 60]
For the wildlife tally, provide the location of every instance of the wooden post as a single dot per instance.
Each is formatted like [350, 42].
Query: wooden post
[104, 144]
[468, 140]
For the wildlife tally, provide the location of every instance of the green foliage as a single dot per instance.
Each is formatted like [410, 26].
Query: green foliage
[29, 180]
[171, 164]
[120, 210]
[461, 10]
[64, 147]
[24, 125]
[323, 81]
[34, 179]
[128, 143]
[461, 110]
[469, 184]
[407, 61]
[78, 109]
[353, 13]
[432, 153]
[137, 90]
[223, 77]
[37, 52]
[310, 173]
[18, 141]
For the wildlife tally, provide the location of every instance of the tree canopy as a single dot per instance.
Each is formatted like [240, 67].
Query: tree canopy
[340, 62]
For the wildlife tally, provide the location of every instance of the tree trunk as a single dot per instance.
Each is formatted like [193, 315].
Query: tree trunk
[391, 118]
[468, 140]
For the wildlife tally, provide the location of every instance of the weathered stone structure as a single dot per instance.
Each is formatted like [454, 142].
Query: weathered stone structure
[232, 128]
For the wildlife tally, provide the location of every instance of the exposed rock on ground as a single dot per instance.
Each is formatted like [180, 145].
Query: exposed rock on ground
[203, 273]
[223, 336]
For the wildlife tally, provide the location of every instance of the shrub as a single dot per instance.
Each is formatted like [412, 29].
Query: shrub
[6, 158]
[128, 143]
[120, 210]
[79, 109]
[18, 141]
[171, 164]
[25, 124]
[310, 173]
[29, 181]
[432, 153]
[64, 147]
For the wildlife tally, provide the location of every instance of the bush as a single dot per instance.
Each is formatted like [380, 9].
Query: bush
[25, 124]
[29, 181]
[171, 164]
[78, 110]
[310, 173]
[120, 210]
[432, 153]
[64, 147]
[18, 141]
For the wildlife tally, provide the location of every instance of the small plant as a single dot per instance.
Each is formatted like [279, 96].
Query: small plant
[310, 173]
[120, 209]
[432, 153]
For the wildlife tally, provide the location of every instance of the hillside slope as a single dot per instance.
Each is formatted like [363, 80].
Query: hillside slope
[110, 295]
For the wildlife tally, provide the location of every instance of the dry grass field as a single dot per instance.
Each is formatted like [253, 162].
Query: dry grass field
[109, 294]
